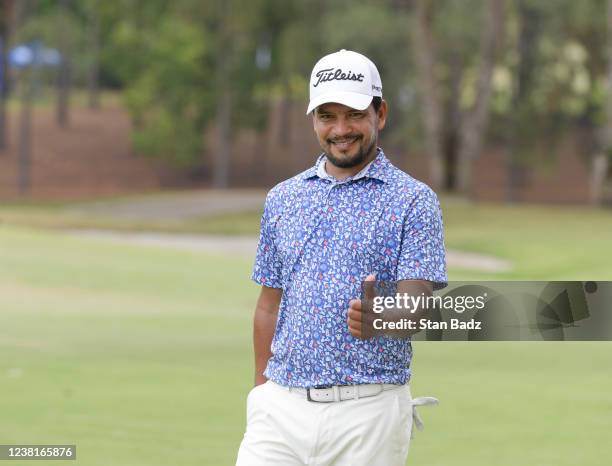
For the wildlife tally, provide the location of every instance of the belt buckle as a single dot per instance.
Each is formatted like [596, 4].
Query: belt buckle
[308, 395]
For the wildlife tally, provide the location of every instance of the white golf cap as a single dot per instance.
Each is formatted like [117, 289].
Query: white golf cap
[344, 77]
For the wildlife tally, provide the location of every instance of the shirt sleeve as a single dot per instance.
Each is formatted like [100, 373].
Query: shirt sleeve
[267, 269]
[422, 255]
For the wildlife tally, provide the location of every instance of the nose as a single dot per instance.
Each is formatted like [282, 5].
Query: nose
[342, 127]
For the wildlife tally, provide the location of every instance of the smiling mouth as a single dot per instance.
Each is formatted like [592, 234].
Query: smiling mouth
[344, 143]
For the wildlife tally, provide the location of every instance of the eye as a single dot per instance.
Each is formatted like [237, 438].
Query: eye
[356, 115]
[325, 116]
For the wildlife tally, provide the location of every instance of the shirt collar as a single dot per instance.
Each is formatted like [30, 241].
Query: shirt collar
[376, 169]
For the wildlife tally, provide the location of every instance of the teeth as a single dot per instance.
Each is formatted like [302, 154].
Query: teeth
[344, 141]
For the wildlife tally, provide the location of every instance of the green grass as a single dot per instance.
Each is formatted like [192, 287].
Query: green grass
[527, 403]
[60, 216]
[125, 351]
[541, 242]
[142, 356]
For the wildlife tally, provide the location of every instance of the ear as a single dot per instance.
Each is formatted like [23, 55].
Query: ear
[382, 115]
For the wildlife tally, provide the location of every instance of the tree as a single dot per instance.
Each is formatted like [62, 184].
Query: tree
[5, 15]
[555, 70]
[194, 66]
[454, 136]
[474, 124]
[529, 20]
[432, 113]
[232, 26]
[93, 74]
[600, 165]
[223, 113]
[65, 67]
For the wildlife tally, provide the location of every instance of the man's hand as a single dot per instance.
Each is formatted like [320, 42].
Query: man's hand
[360, 316]
[357, 317]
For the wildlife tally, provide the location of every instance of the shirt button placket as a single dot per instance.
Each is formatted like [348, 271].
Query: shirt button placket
[329, 201]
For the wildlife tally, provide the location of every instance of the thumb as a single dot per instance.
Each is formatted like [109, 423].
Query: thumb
[368, 288]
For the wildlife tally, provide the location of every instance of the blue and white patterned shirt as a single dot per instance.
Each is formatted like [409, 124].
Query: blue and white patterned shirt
[320, 238]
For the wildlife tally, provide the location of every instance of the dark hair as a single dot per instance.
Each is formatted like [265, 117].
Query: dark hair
[376, 103]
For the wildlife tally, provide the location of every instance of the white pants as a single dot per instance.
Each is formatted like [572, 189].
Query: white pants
[285, 429]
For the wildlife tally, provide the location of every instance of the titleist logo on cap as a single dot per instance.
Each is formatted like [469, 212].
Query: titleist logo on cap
[333, 74]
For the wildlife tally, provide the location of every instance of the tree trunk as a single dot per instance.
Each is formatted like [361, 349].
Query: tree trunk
[223, 146]
[609, 77]
[25, 130]
[5, 15]
[284, 133]
[452, 124]
[600, 161]
[3, 90]
[424, 52]
[27, 77]
[224, 103]
[64, 72]
[529, 27]
[94, 70]
[474, 126]
[600, 165]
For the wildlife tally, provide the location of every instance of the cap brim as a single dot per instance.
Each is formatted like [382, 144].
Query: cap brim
[350, 99]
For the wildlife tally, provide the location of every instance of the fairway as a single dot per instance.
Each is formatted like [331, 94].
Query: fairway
[142, 356]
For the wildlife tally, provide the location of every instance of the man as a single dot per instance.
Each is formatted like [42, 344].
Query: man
[324, 394]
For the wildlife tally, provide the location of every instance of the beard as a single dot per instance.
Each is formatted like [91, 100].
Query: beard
[352, 161]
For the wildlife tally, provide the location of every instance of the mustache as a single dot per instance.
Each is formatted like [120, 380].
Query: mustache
[344, 138]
